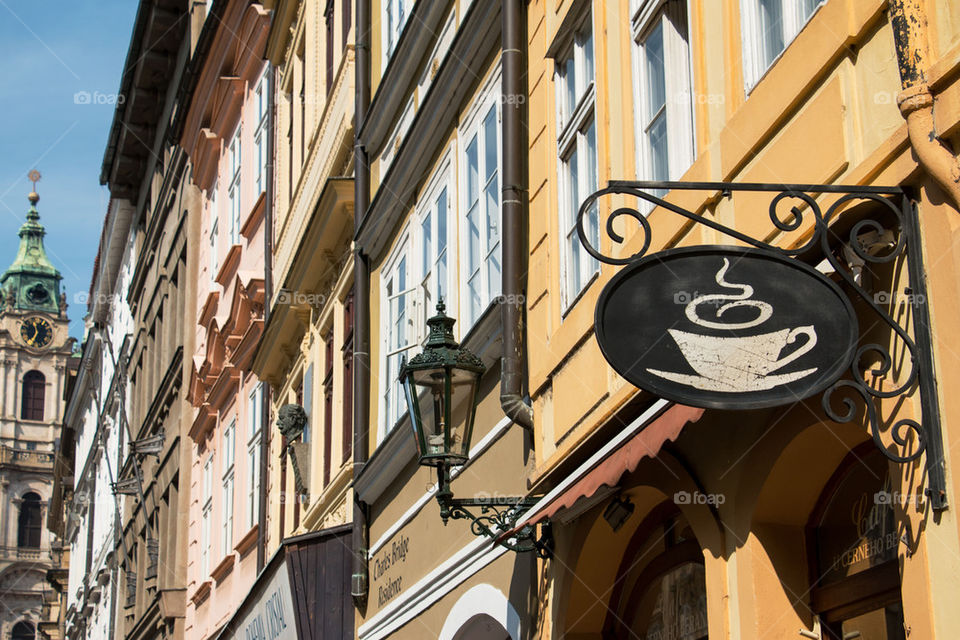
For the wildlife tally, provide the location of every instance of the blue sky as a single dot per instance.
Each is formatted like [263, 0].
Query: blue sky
[53, 52]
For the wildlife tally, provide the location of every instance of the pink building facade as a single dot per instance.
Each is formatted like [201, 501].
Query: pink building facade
[225, 134]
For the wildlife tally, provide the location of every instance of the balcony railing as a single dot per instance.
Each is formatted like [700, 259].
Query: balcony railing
[27, 553]
[26, 457]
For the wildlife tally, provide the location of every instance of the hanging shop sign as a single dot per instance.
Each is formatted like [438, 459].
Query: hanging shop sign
[726, 327]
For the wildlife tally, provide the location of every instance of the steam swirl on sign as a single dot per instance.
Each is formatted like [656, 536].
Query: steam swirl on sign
[739, 300]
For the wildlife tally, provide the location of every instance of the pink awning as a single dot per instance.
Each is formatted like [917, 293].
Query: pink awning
[646, 443]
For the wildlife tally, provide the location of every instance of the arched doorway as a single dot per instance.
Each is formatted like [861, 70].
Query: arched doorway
[660, 589]
[482, 627]
[23, 631]
[854, 545]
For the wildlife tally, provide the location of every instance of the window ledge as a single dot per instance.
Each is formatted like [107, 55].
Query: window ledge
[485, 338]
[397, 450]
[223, 569]
[248, 541]
[202, 592]
[401, 70]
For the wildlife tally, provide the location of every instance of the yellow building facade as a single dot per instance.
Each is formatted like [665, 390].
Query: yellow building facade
[755, 523]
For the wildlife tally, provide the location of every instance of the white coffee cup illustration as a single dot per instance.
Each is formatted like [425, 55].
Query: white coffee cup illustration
[737, 363]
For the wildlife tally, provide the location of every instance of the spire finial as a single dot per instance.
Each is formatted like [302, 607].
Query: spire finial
[34, 177]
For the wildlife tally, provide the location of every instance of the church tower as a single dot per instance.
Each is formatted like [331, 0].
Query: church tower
[35, 352]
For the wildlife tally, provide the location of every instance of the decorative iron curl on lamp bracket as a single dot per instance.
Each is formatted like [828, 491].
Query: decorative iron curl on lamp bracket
[850, 391]
[440, 388]
[497, 516]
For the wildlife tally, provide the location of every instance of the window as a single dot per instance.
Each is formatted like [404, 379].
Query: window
[29, 522]
[327, 407]
[229, 445]
[395, 13]
[306, 401]
[205, 521]
[253, 455]
[664, 105]
[347, 351]
[480, 189]
[233, 188]
[214, 230]
[433, 234]
[397, 304]
[260, 133]
[768, 27]
[31, 401]
[577, 153]
[23, 631]
[328, 15]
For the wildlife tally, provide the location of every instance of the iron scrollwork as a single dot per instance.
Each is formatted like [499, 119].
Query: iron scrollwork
[497, 518]
[840, 400]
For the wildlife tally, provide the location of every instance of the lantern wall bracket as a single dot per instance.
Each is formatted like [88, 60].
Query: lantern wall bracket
[792, 235]
[497, 516]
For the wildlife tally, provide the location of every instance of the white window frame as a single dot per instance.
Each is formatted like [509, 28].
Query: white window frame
[757, 55]
[473, 129]
[425, 301]
[677, 109]
[205, 518]
[234, 190]
[229, 440]
[213, 233]
[253, 455]
[261, 100]
[393, 18]
[574, 119]
[391, 395]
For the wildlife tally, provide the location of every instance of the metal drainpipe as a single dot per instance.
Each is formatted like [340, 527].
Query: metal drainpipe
[359, 582]
[514, 213]
[909, 23]
[267, 296]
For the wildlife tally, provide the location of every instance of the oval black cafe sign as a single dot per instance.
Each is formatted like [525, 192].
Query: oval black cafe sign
[726, 327]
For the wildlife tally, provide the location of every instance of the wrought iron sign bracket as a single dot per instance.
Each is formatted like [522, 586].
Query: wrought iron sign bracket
[497, 518]
[792, 207]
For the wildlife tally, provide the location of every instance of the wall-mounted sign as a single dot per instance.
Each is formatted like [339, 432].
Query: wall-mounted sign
[726, 327]
[272, 615]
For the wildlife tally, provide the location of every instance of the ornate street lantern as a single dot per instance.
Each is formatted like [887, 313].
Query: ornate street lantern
[440, 386]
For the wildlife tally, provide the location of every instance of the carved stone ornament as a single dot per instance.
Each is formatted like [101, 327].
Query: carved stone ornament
[291, 419]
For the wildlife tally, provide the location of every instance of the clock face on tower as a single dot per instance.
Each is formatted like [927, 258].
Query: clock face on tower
[36, 332]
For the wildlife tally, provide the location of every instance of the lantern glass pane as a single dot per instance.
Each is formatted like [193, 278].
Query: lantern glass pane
[429, 407]
[463, 391]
